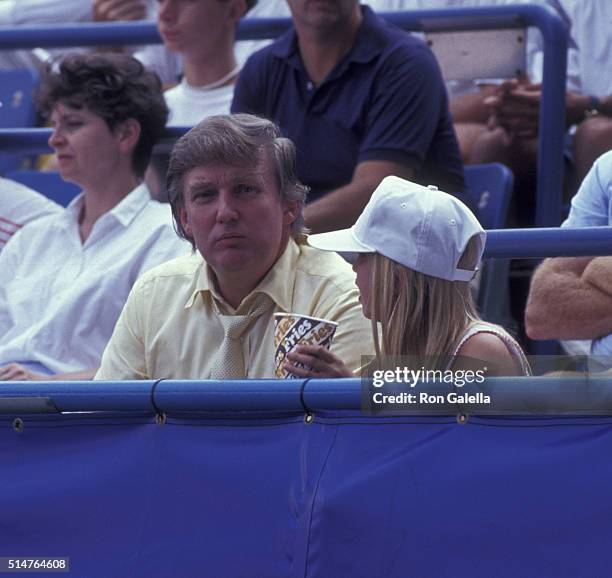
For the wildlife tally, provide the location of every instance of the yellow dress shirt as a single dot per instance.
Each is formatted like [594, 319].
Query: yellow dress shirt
[169, 327]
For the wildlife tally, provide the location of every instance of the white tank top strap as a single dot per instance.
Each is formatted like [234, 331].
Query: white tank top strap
[513, 347]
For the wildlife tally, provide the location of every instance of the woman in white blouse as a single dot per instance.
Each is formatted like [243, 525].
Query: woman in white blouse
[64, 278]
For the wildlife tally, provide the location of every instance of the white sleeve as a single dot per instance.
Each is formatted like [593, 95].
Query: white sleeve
[32, 12]
[20, 204]
[7, 8]
[591, 204]
[9, 261]
[574, 75]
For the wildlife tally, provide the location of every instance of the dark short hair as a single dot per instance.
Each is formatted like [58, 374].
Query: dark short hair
[250, 4]
[235, 140]
[116, 87]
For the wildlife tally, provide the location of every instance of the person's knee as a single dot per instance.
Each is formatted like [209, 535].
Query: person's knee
[467, 134]
[490, 146]
[592, 139]
[594, 134]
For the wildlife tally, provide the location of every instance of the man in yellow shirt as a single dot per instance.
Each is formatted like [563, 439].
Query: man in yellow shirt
[235, 196]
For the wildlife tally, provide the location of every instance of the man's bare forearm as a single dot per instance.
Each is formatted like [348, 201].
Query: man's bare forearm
[470, 107]
[340, 208]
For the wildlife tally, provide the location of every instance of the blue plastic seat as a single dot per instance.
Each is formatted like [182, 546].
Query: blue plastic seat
[17, 109]
[490, 186]
[48, 183]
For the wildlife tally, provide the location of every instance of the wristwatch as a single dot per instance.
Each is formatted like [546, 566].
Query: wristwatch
[593, 107]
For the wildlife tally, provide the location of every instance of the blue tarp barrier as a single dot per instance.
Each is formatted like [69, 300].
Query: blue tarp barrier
[269, 494]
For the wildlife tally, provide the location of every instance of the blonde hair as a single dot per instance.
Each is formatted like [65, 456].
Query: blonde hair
[420, 315]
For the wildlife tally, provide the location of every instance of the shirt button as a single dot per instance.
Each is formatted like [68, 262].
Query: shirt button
[309, 85]
[432, 187]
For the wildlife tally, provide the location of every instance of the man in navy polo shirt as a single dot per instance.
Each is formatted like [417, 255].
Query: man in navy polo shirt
[360, 98]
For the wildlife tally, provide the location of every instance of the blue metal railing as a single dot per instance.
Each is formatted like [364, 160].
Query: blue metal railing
[549, 242]
[553, 29]
[573, 395]
[34, 140]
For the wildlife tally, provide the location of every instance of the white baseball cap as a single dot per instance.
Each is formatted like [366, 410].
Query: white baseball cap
[420, 227]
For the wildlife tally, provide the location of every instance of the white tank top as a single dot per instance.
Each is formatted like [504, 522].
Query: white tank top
[513, 347]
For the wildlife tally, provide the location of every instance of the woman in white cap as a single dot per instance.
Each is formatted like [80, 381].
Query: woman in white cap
[418, 249]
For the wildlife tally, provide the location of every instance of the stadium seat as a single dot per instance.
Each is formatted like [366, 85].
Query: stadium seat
[48, 183]
[17, 109]
[490, 186]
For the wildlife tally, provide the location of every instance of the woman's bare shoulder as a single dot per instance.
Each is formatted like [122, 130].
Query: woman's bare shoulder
[492, 349]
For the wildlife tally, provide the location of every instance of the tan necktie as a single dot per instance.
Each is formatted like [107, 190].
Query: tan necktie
[229, 363]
